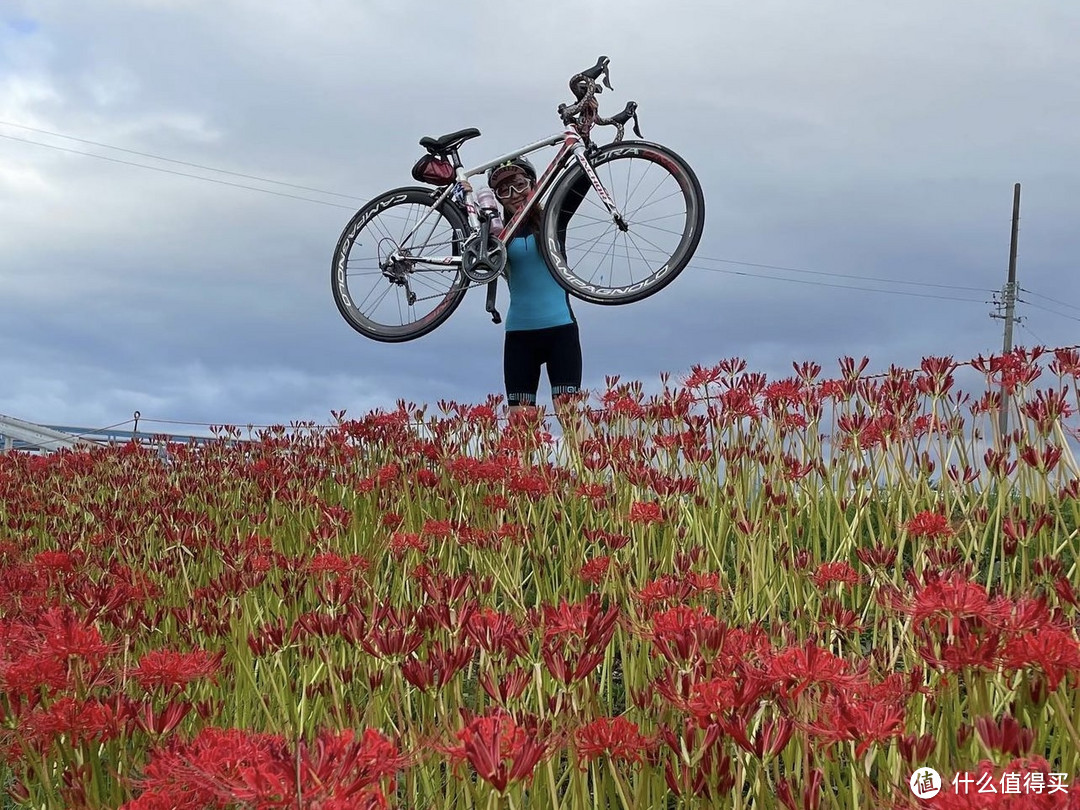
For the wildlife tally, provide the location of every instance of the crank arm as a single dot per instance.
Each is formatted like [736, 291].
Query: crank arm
[492, 289]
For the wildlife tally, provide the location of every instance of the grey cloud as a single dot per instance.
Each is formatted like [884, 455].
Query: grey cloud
[849, 138]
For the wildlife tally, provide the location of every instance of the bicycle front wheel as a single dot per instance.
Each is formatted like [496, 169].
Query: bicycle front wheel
[604, 259]
[390, 275]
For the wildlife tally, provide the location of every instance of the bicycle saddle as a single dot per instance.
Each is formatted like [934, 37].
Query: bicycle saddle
[448, 143]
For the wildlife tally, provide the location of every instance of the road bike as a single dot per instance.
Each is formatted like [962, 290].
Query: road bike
[619, 223]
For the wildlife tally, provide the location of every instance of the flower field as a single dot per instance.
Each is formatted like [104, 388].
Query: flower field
[738, 593]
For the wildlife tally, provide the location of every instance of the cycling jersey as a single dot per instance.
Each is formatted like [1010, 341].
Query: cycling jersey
[536, 299]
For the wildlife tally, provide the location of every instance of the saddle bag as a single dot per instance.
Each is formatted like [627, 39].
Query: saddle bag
[435, 170]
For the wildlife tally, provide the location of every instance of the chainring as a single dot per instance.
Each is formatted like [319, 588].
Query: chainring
[482, 270]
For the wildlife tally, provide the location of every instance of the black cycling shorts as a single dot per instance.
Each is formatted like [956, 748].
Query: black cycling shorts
[526, 350]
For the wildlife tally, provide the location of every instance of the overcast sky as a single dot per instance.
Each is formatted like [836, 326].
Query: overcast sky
[867, 140]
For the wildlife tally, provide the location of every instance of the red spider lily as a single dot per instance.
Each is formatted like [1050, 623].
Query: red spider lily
[1005, 735]
[1066, 362]
[840, 572]
[967, 647]
[870, 722]
[1054, 652]
[702, 377]
[437, 529]
[594, 570]
[953, 598]
[728, 700]
[224, 767]
[166, 720]
[532, 485]
[1044, 460]
[64, 636]
[78, 720]
[576, 637]
[737, 404]
[498, 749]
[665, 589]
[684, 634]
[916, 750]
[848, 370]
[1047, 409]
[327, 562]
[508, 687]
[877, 556]
[28, 674]
[646, 513]
[929, 524]
[998, 463]
[807, 371]
[169, 669]
[496, 633]
[1018, 367]
[1026, 614]
[403, 542]
[795, 669]
[938, 377]
[1065, 591]
[782, 392]
[704, 767]
[451, 590]
[391, 633]
[837, 616]
[1023, 784]
[616, 738]
[439, 667]
[611, 540]
[810, 793]
[770, 738]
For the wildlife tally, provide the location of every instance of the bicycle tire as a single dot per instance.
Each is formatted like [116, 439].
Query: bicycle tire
[370, 215]
[574, 187]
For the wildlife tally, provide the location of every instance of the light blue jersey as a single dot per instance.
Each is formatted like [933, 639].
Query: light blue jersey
[536, 299]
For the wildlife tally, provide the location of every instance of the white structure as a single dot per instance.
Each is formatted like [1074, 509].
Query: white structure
[37, 437]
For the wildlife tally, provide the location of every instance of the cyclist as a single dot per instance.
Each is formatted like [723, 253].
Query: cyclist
[541, 329]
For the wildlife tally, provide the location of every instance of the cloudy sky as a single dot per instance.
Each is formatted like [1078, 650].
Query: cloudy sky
[869, 147]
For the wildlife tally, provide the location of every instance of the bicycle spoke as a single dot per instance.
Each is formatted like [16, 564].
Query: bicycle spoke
[376, 296]
[658, 199]
[676, 193]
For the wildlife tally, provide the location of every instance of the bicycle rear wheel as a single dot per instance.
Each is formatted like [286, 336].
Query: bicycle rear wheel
[396, 301]
[603, 261]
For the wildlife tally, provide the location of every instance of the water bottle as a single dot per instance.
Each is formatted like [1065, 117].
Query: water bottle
[486, 199]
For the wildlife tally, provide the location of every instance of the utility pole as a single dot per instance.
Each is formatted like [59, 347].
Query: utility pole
[1008, 302]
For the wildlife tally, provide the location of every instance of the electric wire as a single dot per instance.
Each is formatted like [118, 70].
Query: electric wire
[715, 259]
[1047, 309]
[177, 173]
[178, 162]
[1048, 298]
[840, 286]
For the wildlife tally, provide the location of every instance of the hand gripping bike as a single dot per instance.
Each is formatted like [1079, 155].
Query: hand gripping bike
[619, 223]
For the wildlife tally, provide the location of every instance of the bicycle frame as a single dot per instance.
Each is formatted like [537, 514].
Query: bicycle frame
[572, 144]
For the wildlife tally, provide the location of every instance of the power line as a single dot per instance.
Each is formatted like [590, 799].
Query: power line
[178, 162]
[1026, 328]
[839, 286]
[1051, 311]
[177, 173]
[874, 279]
[844, 275]
[1048, 298]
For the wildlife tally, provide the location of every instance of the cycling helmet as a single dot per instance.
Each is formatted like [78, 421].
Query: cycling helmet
[517, 164]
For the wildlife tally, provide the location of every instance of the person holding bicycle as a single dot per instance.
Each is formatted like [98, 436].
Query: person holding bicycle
[541, 329]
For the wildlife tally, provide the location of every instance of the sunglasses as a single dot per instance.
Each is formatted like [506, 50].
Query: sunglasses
[504, 192]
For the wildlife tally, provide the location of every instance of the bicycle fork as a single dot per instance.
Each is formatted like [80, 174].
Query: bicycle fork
[581, 153]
